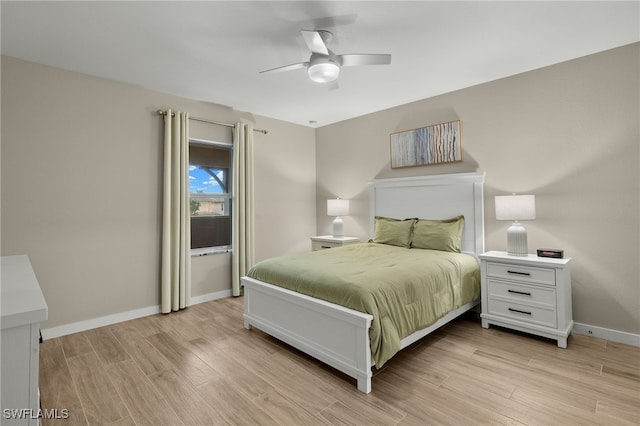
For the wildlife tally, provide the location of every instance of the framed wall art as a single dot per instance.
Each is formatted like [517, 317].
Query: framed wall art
[436, 144]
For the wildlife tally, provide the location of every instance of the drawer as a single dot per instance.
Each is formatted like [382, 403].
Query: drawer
[526, 274]
[521, 293]
[521, 312]
[319, 245]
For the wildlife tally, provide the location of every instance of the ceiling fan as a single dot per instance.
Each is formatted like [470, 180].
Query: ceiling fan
[324, 66]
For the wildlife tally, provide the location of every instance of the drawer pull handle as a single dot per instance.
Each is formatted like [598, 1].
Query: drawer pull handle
[519, 311]
[519, 273]
[325, 247]
[524, 293]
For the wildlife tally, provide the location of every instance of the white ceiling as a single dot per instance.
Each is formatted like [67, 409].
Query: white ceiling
[213, 51]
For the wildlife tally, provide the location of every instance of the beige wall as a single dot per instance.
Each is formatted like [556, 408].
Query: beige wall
[81, 166]
[568, 133]
[81, 195]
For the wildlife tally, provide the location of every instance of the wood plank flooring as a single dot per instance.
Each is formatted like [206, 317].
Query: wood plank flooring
[201, 367]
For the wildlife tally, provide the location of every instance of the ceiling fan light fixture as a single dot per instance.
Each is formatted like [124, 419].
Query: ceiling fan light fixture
[324, 72]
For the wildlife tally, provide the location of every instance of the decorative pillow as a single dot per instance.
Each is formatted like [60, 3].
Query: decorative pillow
[395, 232]
[444, 235]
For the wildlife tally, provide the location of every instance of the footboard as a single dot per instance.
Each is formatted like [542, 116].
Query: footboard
[333, 334]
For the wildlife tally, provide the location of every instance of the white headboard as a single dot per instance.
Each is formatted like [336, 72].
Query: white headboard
[434, 197]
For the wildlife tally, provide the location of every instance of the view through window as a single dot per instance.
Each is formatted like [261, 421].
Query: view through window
[210, 194]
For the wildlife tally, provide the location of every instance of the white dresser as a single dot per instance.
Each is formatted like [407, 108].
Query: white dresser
[527, 293]
[23, 308]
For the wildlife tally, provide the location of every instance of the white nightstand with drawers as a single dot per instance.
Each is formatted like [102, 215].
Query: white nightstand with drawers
[527, 293]
[329, 241]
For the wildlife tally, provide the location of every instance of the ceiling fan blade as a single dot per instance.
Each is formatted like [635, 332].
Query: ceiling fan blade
[314, 42]
[287, 67]
[357, 59]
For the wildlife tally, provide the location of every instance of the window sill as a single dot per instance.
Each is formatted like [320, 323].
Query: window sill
[206, 251]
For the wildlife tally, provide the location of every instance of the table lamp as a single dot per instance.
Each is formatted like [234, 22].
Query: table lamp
[337, 208]
[516, 207]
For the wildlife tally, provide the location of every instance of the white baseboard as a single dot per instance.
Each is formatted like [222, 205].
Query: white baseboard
[76, 327]
[63, 330]
[210, 296]
[607, 334]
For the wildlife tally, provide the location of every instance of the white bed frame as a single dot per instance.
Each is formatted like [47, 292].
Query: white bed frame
[339, 336]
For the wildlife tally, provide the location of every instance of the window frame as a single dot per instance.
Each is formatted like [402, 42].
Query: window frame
[228, 196]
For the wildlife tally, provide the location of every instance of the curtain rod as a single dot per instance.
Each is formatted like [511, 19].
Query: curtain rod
[204, 120]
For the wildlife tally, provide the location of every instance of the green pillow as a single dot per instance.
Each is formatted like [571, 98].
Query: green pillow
[395, 232]
[444, 235]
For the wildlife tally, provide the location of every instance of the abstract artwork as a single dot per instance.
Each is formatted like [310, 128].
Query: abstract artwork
[437, 144]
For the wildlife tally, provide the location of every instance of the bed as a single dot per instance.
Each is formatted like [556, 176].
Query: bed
[341, 336]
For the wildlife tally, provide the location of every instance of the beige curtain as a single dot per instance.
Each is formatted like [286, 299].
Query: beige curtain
[242, 219]
[176, 222]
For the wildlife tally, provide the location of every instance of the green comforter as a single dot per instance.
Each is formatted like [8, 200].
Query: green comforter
[404, 289]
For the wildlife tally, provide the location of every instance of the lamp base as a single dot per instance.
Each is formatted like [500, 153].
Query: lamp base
[517, 240]
[338, 227]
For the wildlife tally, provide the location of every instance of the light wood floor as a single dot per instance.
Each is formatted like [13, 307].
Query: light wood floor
[200, 366]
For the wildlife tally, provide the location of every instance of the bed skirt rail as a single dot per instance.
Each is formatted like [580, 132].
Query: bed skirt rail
[333, 334]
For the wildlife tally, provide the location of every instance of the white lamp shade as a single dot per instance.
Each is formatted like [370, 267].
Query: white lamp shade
[338, 207]
[515, 207]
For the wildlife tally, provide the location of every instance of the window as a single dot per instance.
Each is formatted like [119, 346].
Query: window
[210, 194]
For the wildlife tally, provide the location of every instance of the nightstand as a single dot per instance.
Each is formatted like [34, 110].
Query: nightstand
[329, 241]
[527, 293]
